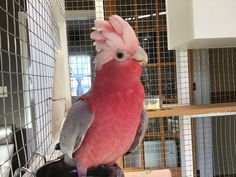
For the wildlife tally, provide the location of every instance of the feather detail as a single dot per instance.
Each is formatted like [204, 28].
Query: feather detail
[101, 25]
[101, 46]
[103, 57]
[111, 36]
[97, 35]
[113, 40]
[117, 24]
[128, 35]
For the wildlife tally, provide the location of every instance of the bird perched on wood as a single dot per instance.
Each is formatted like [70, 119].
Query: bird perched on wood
[109, 120]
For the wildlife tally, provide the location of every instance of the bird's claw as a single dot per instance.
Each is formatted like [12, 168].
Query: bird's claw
[106, 171]
[115, 171]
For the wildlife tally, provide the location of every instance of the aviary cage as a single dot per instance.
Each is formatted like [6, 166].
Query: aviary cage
[30, 39]
[192, 135]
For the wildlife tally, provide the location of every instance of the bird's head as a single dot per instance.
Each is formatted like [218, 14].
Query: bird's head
[116, 41]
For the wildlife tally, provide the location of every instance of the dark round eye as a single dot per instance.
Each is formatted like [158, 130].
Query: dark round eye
[119, 55]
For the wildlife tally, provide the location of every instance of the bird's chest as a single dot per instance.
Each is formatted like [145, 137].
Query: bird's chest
[116, 120]
[118, 113]
[119, 107]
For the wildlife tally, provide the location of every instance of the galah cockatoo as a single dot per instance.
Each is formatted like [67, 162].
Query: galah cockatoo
[109, 120]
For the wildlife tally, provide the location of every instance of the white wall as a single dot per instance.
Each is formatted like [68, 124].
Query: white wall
[214, 18]
[179, 22]
[201, 23]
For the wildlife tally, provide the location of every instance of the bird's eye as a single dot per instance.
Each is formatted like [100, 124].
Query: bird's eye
[121, 55]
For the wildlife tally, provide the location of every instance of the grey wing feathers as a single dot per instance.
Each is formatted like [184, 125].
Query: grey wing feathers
[77, 122]
[140, 132]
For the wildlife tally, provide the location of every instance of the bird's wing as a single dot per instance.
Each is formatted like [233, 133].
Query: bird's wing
[77, 122]
[140, 132]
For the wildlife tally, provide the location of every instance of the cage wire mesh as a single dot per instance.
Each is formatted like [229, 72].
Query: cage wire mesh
[213, 79]
[187, 145]
[161, 146]
[214, 74]
[29, 36]
[81, 54]
[213, 144]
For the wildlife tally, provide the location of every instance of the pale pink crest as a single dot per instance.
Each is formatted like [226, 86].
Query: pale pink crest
[113, 40]
[128, 35]
[97, 35]
[110, 36]
[103, 57]
[102, 25]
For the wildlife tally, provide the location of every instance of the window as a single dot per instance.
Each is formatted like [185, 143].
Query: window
[80, 74]
[81, 54]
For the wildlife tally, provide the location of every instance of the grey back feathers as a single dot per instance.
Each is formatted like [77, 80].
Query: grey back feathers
[77, 122]
[140, 132]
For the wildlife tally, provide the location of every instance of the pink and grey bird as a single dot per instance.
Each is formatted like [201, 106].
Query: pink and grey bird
[109, 120]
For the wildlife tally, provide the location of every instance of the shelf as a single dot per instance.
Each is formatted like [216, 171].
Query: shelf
[167, 64]
[193, 110]
[159, 135]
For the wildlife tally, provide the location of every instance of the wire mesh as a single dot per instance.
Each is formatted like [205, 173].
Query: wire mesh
[79, 5]
[202, 76]
[214, 73]
[81, 53]
[143, 17]
[61, 5]
[187, 145]
[29, 36]
[214, 142]
[161, 146]
[222, 68]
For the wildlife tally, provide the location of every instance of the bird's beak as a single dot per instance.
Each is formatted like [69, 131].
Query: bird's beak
[141, 56]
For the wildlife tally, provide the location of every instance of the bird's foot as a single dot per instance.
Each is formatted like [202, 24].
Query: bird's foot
[115, 171]
[81, 172]
[106, 171]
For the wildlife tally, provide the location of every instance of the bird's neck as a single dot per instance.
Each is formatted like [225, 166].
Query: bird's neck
[121, 77]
